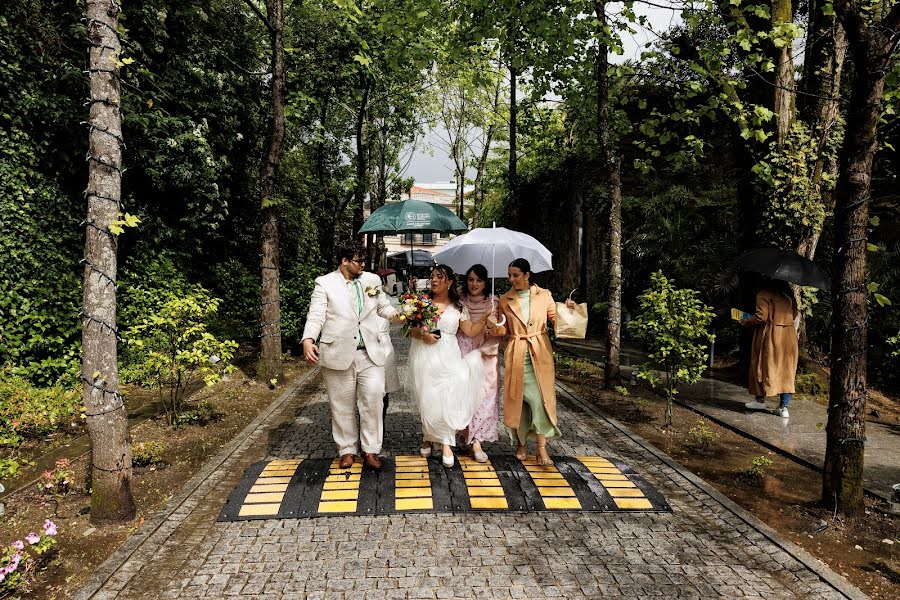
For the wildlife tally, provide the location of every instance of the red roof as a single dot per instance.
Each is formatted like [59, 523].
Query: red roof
[420, 190]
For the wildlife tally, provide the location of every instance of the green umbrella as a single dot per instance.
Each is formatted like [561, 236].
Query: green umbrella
[413, 216]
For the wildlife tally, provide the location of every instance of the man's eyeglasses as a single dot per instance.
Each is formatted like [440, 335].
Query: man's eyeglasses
[359, 261]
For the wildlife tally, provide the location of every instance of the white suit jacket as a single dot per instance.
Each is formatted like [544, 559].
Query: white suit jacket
[333, 320]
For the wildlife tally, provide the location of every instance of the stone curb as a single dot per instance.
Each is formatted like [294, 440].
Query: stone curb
[802, 556]
[112, 564]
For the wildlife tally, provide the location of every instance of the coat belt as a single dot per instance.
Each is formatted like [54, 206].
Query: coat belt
[525, 336]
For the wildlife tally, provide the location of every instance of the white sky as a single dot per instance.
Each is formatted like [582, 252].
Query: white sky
[430, 162]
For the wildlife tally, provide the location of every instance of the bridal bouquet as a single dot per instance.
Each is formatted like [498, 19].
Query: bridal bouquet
[417, 310]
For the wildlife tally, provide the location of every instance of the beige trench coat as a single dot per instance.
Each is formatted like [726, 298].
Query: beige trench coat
[530, 336]
[773, 358]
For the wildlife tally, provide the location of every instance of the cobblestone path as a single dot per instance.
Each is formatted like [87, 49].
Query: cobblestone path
[705, 548]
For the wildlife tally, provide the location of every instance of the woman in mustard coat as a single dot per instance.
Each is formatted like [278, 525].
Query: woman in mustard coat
[529, 399]
[773, 358]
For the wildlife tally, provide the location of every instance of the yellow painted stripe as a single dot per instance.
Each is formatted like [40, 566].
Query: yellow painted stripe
[340, 494]
[553, 492]
[413, 476]
[341, 485]
[555, 475]
[617, 484]
[337, 506]
[331, 478]
[540, 482]
[268, 480]
[633, 503]
[278, 487]
[413, 469]
[250, 510]
[414, 504]
[605, 478]
[407, 483]
[482, 482]
[625, 493]
[487, 502]
[561, 503]
[264, 497]
[416, 492]
[486, 491]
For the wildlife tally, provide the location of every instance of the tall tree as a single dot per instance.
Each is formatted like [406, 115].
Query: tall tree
[609, 168]
[873, 37]
[107, 420]
[270, 365]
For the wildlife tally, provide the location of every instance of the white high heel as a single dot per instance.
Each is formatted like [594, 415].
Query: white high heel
[448, 461]
[426, 451]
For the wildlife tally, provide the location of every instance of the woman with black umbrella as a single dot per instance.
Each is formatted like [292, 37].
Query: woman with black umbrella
[774, 355]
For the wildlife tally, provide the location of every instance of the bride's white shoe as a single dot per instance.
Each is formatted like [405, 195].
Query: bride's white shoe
[425, 451]
[447, 460]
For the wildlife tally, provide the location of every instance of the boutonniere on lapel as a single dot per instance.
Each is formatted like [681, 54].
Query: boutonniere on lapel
[373, 290]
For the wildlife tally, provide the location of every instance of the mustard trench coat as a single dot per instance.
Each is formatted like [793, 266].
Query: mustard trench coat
[773, 358]
[521, 337]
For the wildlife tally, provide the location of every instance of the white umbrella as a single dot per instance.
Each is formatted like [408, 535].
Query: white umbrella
[494, 247]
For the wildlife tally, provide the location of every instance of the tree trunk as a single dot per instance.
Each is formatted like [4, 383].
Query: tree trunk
[609, 169]
[512, 209]
[784, 75]
[362, 149]
[270, 365]
[871, 48]
[107, 420]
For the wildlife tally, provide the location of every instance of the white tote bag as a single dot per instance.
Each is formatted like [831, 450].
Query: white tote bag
[571, 323]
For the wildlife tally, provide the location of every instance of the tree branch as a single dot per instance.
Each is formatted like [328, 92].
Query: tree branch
[260, 14]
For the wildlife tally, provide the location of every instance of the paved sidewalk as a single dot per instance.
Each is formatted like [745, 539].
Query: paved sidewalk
[803, 435]
[706, 548]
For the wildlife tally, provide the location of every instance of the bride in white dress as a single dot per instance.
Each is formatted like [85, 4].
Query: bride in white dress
[445, 385]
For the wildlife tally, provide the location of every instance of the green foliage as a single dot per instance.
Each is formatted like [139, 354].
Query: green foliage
[702, 437]
[147, 453]
[59, 481]
[29, 411]
[787, 181]
[204, 413]
[811, 384]
[23, 560]
[757, 468]
[672, 323]
[174, 347]
[8, 468]
[621, 390]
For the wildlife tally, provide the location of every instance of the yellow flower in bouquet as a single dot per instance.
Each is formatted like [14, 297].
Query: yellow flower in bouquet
[417, 310]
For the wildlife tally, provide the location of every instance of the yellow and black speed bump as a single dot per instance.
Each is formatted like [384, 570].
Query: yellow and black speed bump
[286, 489]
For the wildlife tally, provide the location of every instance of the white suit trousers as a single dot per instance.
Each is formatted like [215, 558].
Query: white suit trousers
[360, 387]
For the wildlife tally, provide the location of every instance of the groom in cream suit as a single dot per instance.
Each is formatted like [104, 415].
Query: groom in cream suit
[344, 316]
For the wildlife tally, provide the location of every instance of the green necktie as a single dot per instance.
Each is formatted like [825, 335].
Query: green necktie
[359, 308]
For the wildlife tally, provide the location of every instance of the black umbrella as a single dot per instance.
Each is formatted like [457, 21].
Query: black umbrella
[785, 265]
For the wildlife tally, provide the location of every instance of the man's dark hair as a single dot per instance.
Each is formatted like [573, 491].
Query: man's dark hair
[348, 249]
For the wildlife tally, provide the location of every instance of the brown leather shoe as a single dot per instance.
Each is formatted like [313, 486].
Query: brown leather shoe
[371, 461]
[346, 461]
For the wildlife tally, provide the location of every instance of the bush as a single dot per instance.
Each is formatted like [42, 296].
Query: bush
[58, 482]
[672, 323]
[203, 414]
[146, 453]
[702, 436]
[8, 468]
[173, 347]
[20, 564]
[28, 411]
[757, 468]
[811, 385]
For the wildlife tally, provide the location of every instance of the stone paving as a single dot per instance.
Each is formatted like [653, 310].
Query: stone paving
[706, 548]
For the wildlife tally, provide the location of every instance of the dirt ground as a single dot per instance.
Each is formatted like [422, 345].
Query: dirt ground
[82, 546]
[865, 550]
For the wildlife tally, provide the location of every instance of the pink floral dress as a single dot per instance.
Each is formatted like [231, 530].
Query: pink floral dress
[487, 416]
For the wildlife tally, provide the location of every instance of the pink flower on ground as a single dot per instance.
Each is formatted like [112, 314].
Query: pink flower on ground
[49, 527]
[18, 545]
[32, 538]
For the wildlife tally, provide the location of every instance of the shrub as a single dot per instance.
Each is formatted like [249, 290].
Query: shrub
[702, 436]
[58, 482]
[758, 466]
[27, 411]
[811, 385]
[20, 564]
[147, 453]
[203, 414]
[8, 468]
[672, 323]
[175, 348]
[621, 390]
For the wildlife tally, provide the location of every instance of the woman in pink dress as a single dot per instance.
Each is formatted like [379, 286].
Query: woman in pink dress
[479, 302]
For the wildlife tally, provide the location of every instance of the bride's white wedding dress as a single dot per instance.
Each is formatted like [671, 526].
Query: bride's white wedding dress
[445, 385]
